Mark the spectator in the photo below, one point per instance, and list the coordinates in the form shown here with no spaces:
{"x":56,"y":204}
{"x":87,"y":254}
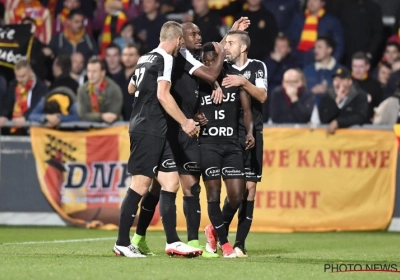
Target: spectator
{"x":58,"y":106}
{"x":132,"y":9}
{"x":360,"y":67}
{"x":283,"y":10}
{"x":78,"y":70}
{"x":363,"y":28}
{"x":280,"y":60}
{"x":74,"y":37}
{"x":392,"y":52}
{"x":114,"y":21}
{"x":315,"y":22}
{"x":130,"y":57}
{"x":388,"y":111}
{"x":262,"y":30}
{"x":126,"y":35}
{"x":21,"y":97}
{"x":62,"y":74}
{"x":292,"y":102}
{"x":56,"y":6}
{"x":175,"y":6}
{"x":113,"y":61}
{"x":319,"y":74}
{"x":344,"y":105}
{"x":41,"y":54}
{"x":33,"y":9}
{"x":383,"y":75}
{"x":392,"y":82}
{"x":61,"y":18}
{"x":207,"y":20}
{"x":149,"y":23}
{"x":99,"y":99}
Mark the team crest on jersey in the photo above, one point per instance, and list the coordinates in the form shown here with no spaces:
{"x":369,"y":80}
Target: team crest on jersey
{"x":247,"y":75}
{"x":259,"y":74}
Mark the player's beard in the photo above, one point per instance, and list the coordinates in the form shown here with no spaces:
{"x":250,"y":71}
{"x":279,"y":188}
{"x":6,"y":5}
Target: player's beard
{"x":232,"y":58}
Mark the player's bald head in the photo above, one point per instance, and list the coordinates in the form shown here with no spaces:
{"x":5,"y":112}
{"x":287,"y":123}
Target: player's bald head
{"x":170,"y":31}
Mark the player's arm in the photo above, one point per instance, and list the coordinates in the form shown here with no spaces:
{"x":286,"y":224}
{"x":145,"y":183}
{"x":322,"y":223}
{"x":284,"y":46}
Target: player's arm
{"x":132,"y":85}
{"x":169,"y":104}
{"x":247,"y":118}
{"x":257,"y":92}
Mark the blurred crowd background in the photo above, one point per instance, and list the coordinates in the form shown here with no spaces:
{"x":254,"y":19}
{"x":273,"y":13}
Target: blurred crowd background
{"x":326,"y":59}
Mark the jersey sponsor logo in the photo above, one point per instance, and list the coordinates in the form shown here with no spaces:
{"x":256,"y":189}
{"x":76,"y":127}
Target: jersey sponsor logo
{"x":212,"y":171}
{"x":231,"y":171}
{"x":191,"y":166}
{"x":247,"y":75}
{"x":249,"y":172}
{"x":168,"y":163}
{"x":155,"y":169}
{"x":218,"y":131}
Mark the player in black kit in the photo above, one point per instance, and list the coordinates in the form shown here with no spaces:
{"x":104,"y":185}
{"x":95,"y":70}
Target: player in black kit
{"x":221,"y":153}
{"x":150,"y":151}
{"x":250,"y":75}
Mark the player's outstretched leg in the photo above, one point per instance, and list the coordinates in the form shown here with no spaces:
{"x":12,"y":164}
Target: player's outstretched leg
{"x":169,"y":182}
{"x":129,"y":207}
{"x":147,"y":209}
{"x":217,"y":230}
{"x":191,"y":208}
{"x":245,"y":220}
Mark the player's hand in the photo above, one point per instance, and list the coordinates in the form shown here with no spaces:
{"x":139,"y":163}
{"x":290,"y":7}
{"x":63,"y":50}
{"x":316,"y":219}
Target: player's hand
{"x":190,"y":127}
{"x":109,"y":117}
{"x":217,"y":95}
{"x":201,"y":119}
{"x":19,"y":122}
{"x":218,"y":48}
{"x":233,"y":81}
{"x":241,"y":24}
{"x":250,"y":142}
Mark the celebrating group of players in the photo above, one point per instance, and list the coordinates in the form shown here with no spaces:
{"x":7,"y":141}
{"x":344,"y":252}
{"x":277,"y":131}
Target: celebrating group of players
{"x":172,"y":98}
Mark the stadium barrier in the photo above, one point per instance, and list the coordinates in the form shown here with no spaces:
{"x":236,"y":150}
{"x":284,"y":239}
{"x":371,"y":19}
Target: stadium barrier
{"x":311,"y":181}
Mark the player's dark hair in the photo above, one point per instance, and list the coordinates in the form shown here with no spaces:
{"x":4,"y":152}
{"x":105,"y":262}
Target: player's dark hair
{"x":328,"y":41}
{"x":244,"y":37}
{"x":74,"y":12}
{"x":208,"y":47}
{"x":361,"y":56}
{"x":95,"y":60}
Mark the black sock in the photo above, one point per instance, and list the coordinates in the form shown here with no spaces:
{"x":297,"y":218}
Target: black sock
{"x":215,"y":215}
{"x":129,"y":209}
{"x":147,"y":209}
{"x":245,"y":223}
{"x":168,"y":215}
{"x":227,"y":214}
{"x":191,"y":208}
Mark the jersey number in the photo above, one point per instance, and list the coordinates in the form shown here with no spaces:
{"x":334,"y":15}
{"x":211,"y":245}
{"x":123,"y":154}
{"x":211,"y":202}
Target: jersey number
{"x":139,"y":73}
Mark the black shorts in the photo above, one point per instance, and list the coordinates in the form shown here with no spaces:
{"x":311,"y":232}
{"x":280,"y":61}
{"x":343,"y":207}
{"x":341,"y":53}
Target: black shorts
{"x":150,"y":154}
{"x":221,"y":159}
{"x":253,"y":158}
{"x":186,"y":152}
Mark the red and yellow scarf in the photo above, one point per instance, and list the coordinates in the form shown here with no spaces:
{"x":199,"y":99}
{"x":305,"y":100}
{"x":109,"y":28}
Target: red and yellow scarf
{"x":309,"y":34}
{"x":95,"y":98}
{"x":21,"y":100}
{"x":72,"y":37}
{"x":52,"y":6}
{"x":107,"y":37}
{"x":363,"y":78}
{"x":64,"y":15}
{"x":125,"y":4}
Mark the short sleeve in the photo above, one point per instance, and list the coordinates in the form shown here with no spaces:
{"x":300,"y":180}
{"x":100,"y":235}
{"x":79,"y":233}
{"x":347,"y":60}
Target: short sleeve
{"x":261,"y":75}
{"x":165,"y":68}
{"x":188,"y":63}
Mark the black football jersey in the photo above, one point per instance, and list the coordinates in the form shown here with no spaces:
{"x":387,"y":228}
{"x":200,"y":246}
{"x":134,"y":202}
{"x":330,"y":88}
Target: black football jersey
{"x":223,"y":119}
{"x":148,"y":116}
{"x":185,"y":86}
{"x":254,"y":71}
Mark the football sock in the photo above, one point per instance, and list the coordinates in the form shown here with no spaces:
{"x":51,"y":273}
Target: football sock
{"x":168,"y":215}
{"x":128,"y":212}
{"x":215,"y":215}
{"x":245,"y":220}
{"x":147,"y":209}
{"x":191,"y":208}
{"x":227,"y":214}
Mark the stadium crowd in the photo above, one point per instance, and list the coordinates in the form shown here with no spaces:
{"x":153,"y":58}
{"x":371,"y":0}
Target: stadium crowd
{"x":328,"y":61}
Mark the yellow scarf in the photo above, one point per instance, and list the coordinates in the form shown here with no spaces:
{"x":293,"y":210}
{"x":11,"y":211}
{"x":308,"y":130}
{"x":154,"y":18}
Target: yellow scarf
{"x":309,"y":34}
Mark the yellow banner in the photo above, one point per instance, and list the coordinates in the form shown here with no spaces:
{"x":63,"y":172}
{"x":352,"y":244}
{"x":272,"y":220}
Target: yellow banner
{"x":311,"y":182}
